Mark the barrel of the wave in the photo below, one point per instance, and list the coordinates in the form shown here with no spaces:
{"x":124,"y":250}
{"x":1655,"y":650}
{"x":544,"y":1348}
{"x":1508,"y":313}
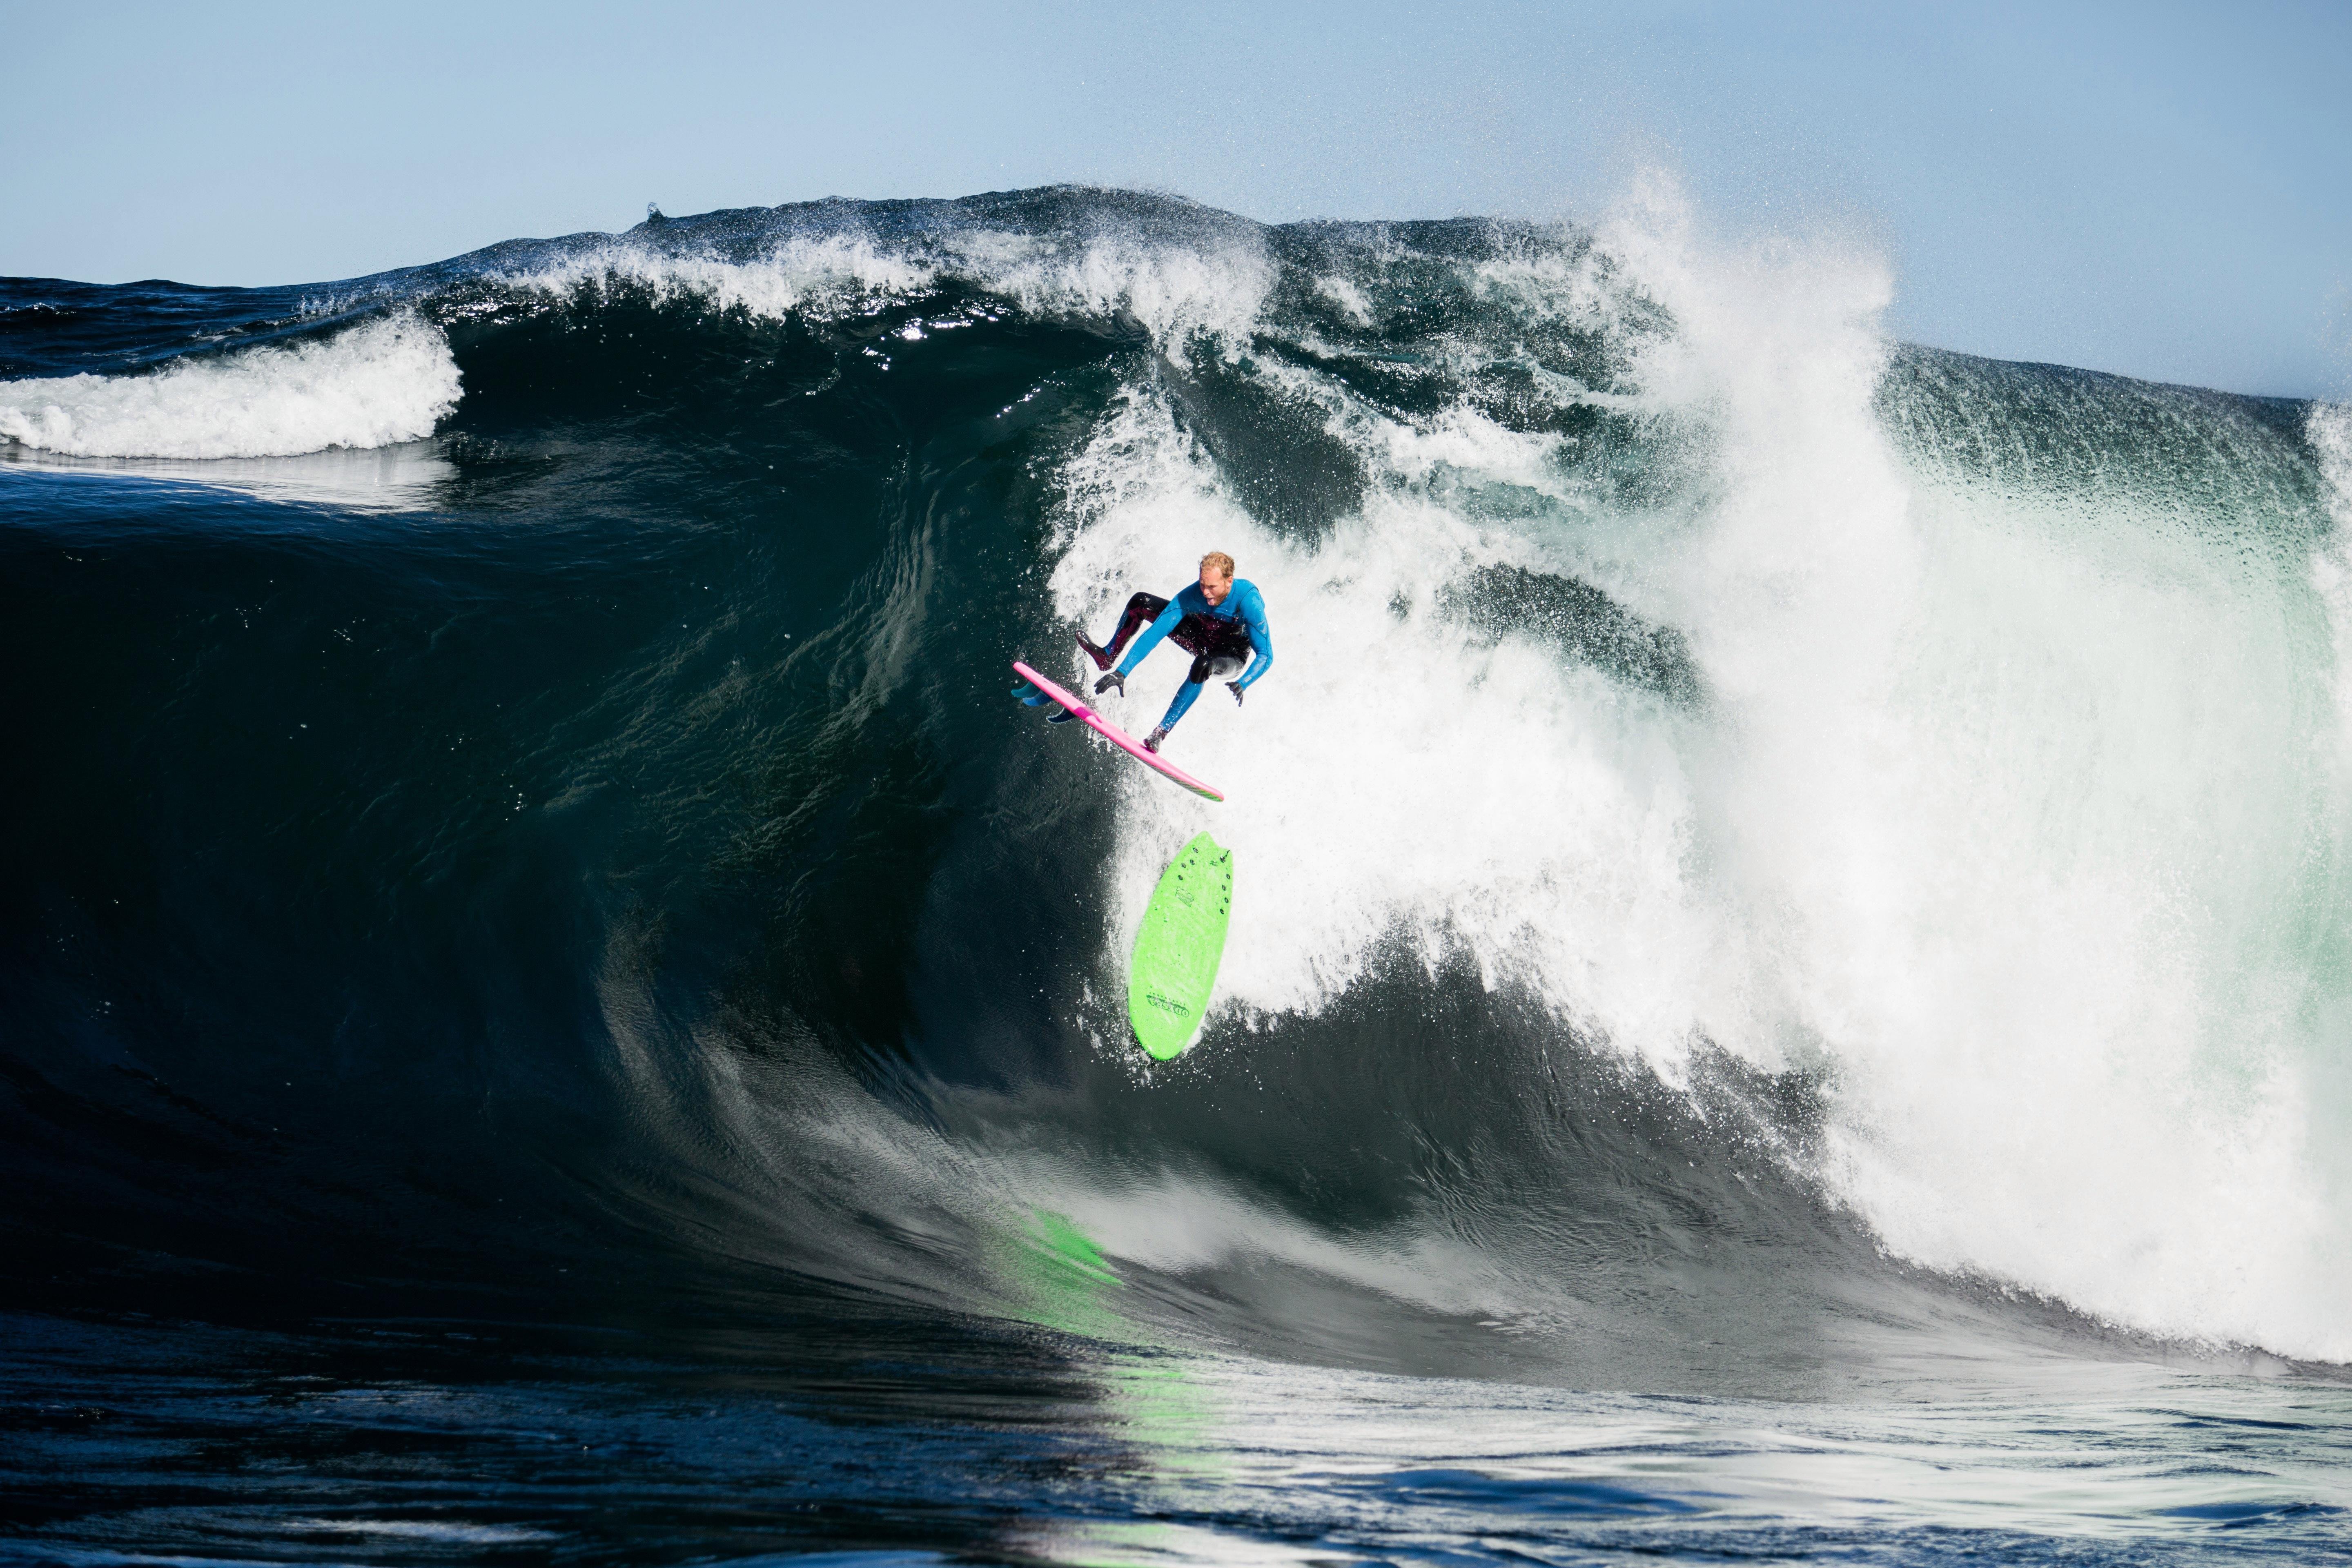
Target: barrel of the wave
{"x":1178,"y":947}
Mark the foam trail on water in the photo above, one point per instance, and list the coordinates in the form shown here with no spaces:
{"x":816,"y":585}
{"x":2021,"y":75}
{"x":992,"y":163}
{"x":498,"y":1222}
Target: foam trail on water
{"x":387,"y":381}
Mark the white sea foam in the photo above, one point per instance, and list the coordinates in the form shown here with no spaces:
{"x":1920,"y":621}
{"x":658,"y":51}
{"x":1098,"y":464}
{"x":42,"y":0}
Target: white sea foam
{"x":2019,"y":829}
{"x":387,"y":381}
{"x":2016,"y":812}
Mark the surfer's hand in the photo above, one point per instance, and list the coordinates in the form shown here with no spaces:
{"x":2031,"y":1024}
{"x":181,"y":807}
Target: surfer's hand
{"x":1108,"y":681}
{"x":1236,"y":688}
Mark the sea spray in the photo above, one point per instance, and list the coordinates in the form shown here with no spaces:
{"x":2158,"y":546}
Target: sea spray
{"x":1996,"y":820}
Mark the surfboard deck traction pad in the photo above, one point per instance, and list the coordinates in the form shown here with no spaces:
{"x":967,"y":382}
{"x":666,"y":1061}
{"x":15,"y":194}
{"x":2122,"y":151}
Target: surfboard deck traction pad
{"x":1173,"y":969}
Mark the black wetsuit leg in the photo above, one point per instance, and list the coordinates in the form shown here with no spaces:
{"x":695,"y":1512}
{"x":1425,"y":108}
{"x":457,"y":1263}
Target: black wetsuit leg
{"x":1141,"y":612}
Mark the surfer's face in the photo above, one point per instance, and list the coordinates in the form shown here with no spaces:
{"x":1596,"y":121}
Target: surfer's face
{"x":1214,"y":588}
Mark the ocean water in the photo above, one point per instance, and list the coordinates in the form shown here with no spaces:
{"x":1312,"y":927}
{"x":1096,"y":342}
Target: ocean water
{"x":1790,"y":975}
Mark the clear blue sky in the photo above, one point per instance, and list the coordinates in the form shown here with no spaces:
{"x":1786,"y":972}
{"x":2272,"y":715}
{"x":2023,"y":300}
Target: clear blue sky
{"x":2156,"y":189}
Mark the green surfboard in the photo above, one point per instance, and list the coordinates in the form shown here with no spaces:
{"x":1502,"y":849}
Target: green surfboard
{"x":1177,"y":950}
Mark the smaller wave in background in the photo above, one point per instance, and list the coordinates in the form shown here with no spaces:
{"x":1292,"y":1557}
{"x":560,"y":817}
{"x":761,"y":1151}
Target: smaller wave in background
{"x":375,"y":384}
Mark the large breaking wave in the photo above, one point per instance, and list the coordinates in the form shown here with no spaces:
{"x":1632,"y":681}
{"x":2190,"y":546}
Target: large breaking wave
{"x":1747,"y":815}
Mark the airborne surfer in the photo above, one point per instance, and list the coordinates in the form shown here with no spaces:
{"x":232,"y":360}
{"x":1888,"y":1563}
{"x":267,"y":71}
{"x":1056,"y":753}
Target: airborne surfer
{"x":1219,"y":620}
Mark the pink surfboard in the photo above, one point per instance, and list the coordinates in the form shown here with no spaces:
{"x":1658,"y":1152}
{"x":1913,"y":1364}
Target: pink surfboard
{"x":1113,"y":733}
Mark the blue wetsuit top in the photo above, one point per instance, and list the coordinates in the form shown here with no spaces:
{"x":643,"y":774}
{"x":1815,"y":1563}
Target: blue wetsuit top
{"x":1244,"y":605}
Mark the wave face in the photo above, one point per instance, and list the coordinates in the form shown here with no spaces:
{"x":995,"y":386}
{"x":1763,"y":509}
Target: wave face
{"x":1763,"y":849}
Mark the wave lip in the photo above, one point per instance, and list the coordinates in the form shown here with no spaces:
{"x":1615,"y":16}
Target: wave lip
{"x":1216,"y":285}
{"x":385,"y":382}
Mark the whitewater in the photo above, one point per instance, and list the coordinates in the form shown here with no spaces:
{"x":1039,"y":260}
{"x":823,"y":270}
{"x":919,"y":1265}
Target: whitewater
{"x":1779,"y":871}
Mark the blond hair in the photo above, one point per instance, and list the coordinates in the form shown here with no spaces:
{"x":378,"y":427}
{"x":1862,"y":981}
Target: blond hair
{"x":1221,"y":560}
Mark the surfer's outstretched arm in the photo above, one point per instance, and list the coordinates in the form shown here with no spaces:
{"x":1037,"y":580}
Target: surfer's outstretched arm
{"x":1253,"y":615}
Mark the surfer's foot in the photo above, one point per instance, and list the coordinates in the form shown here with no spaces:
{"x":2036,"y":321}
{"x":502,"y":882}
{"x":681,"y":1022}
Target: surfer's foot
{"x":1102,"y":659}
{"x":1151,"y":741}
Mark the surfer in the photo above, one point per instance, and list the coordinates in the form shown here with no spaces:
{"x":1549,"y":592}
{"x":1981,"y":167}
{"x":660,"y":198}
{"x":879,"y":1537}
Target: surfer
{"x":1220,"y":621}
